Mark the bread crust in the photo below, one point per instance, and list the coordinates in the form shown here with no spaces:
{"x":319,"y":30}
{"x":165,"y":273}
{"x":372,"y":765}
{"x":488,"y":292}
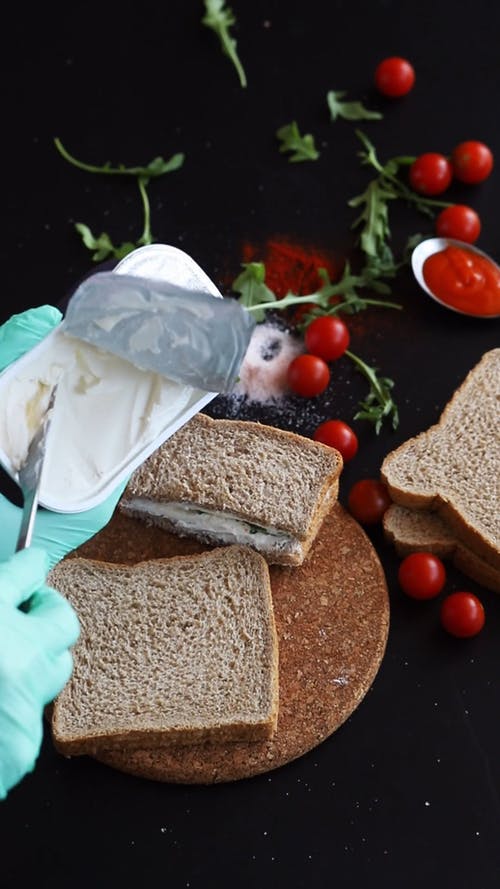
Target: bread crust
{"x":332,"y":616}
{"x":421,"y":531}
{"x":277,"y":556}
{"x":460,"y":450}
{"x":258,"y":727}
{"x":263,"y":475}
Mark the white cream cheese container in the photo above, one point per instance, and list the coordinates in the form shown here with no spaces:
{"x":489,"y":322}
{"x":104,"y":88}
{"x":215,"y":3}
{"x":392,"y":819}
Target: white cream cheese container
{"x":109,"y":415}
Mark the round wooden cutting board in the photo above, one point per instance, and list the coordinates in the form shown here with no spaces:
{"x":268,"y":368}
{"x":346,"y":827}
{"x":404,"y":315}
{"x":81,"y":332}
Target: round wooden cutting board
{"x":332,"y":617}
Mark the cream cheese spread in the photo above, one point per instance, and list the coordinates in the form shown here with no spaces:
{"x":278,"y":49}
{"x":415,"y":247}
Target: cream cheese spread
{"x":189,"y":518}
{"x":107,"y":411}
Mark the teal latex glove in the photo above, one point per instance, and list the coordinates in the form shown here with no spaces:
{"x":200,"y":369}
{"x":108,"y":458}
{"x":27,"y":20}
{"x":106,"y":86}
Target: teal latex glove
{"x":35,"y":661}
{"x":57,"y":533}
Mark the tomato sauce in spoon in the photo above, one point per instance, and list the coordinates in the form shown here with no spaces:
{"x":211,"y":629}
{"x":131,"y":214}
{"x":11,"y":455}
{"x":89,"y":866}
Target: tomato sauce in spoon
{"x":464,"y":280}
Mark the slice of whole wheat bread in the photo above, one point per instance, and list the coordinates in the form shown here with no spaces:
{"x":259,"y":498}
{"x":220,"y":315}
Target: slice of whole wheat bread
{"x":171,"y":651}
{"x":412,"y":530}
{"x":453,"y":467}
{"x":266,"y":476}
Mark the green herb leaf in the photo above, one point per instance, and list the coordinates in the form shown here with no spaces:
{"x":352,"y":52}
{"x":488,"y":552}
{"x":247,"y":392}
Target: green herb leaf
{"x":157,"y":167}
{"x":256,"y":529}
{"x":349,"y":110}
{"x":254,"y":292}
{"x":259,"y":299}
{"x":301,"y":147}
{"x":102,"y":245}
{"x":373,"y":219}
{"x":379,"y":404}
{"x":220,"y":19}
{"x":374,"y":222}
{"x":346,"y":289}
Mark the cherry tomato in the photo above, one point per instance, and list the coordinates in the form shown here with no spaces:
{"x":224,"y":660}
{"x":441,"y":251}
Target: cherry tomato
{"x":422,"y":575}
{"x":368,"y":500}
{"x":308,"y":375}
{"x":431,"y":173}
{"x":394,"y":77}
{"x":339,"y":435}
{"x":472,"y":162}
{"x":327,"y":337}
{"x":462,"y":615}
{"x":460,"y":222}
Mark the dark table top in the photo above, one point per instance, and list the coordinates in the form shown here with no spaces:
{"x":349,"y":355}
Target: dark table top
{"x":405,"y":793}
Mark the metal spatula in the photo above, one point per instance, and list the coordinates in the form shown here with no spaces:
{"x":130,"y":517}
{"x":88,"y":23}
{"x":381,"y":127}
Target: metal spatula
{"x":30,"y":474}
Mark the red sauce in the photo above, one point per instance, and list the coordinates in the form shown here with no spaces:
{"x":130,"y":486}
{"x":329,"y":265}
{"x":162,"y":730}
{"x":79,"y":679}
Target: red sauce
{"x":464,"y":280}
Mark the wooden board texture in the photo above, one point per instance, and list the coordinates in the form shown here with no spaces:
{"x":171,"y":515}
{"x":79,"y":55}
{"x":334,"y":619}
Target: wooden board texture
{"x":332,"y":617}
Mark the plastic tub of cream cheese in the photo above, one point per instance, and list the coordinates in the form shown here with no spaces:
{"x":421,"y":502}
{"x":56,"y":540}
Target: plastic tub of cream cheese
{"x":109,"y":416}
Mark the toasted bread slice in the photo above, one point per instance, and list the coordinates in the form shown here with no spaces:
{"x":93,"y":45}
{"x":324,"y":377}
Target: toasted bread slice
{"x":453,"y":467}
{"x":172,"y":651}
{"x":234,"y":481}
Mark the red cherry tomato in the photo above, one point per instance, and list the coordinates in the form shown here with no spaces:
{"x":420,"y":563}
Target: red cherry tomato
{"x":327,"y":337}
{"x":394,"y":77}
{"x":422,"y":575}
{"x":472,"y":162}
{"x":462,"y":615}
{"x":431,"y":173}
{"x":339,"y":435}
{"x":460,"y":222}
{"x":368,"y":500}
{"x":308,"y":375}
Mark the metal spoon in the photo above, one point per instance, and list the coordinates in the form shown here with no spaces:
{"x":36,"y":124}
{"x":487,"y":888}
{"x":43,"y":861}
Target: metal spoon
{"x":434,"y":245}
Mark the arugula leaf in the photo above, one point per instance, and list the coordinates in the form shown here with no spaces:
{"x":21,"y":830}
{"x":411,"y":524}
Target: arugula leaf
{"x":302,"y":147}
{"x":349,"y":110}
{"x":346,"y":288}
{"x":373,"y":219}
{"x":379,"y":404}
{"x":220,"y":19}
{"x":250,"y":284}
{"x":102,"y":245}
{"x":157,"y":167}
{"x":259,"y":299}
{"x":411,"y":243}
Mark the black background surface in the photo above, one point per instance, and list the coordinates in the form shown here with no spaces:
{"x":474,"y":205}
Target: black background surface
{"x":405,"y":793}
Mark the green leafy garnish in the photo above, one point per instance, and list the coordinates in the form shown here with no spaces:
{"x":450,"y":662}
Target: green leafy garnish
{"x":349,"y":110}
{"x":379,"y":404}
{"x":302,"y":148}
{"x":373,"y":220}
{"x":252,"y":289}
{"x":220,"y":19}
{"x":256,"y":529}
{"x":102,"y":245}
{"x":157,"y":167}
{"x":259,"y":299}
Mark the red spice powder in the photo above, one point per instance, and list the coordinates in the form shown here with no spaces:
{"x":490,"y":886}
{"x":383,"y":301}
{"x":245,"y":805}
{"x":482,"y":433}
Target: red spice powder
{"x":290,"y":266}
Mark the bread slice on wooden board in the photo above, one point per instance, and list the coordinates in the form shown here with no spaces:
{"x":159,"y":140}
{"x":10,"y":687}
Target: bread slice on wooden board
{"x":234,"y":481}
{"x":453,"y":467}
{"x":332,"y":617}
{"x":412,"y":530}
{"x":172,"y":651}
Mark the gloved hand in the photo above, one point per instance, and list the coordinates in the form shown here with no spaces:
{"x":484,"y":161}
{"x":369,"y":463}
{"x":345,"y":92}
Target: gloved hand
{"x":58,"y":533}
{"x":35,"y":661}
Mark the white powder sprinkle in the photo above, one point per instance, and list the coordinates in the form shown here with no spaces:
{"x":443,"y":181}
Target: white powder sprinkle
{"x":262,"y":374}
